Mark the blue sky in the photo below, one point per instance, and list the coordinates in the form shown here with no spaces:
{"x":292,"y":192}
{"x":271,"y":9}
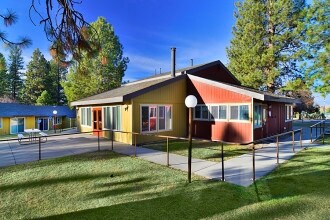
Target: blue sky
{"x":199,"y":29}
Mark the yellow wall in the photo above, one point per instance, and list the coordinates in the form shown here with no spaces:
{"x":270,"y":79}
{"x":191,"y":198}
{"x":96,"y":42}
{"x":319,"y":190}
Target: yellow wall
{"x":5,"y":129}
{"x":173,"y":94}
{"x":29,"y":122}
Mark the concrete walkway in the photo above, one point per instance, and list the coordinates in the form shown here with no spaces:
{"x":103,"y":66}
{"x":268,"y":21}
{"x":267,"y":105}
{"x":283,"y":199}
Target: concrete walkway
{"x":238,"y":170}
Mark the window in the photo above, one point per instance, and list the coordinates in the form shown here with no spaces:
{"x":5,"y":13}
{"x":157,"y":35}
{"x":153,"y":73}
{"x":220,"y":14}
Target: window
{"x":288,"y":112}
{"x":257,"y":116}
{"x":218,"y":112}
{"x":112,"y":117}
{"x":214,"y":112}
{"x":239,"y":112}
{"x":156,"y":118}
{"x":234,"y":112}
{"x":222,"y":112}
{"x":86,"y":116}
{"x":201,"y":112}
{"x":58,"y":120}
{"x":243,"y":112}
{"x":0,"y":122}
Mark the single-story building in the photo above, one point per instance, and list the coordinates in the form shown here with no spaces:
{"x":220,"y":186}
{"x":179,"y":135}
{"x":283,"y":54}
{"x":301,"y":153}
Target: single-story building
{"x":155,"y":105}
{"x":15,"y":118}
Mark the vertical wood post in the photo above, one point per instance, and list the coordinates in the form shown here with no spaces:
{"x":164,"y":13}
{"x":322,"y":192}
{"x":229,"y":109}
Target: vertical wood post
{"x":98,"y":140}
{"x":323,"y":133}
{"x":301,"y":133}
{"x":39,"y":148}
{"x":168,"y":152}
{"x":112,"y":139}
{"x":293,"y":141}
{"x":253,"y":163}
{"x":135,"y":145}
{"x":277,"y":151}
{"x":222,"y":164}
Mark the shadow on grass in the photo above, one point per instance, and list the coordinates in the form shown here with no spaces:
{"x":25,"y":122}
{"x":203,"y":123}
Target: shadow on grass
{"x":51,"y":181}
{"x":183,"y":204}
{"x":88,"y":156}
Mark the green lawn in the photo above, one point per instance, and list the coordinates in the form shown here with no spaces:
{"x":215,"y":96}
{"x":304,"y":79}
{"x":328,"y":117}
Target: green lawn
{"x":202,"y":149}
{"x":106,"y":185}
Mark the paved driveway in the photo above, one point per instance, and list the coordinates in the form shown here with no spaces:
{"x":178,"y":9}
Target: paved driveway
{"x":11,"y":152}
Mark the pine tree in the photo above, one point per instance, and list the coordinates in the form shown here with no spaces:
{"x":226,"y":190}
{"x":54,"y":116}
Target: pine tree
{"x":15,"y":72}
{"x":267,"y":47}
{"x":36,"y":74}
{"x":318,"y":39}
{"x":3,"y":76}
{"x":100,"y":73}
{"x":58,"y":71}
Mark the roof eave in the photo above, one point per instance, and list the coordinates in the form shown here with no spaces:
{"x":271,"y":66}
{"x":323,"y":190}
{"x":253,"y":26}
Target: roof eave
{"x":281,"y":99}
{"x":98,"y":101}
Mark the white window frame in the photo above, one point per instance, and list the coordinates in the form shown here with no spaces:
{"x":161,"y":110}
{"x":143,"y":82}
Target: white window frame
{"x":119,"y":116}
{"x":239,"y":110}
{"x":288,"y":109}
{"x":82,"y":121}
{"x":218,"y":106}
{"x":228,"y":112}
{"x":156,"y":117}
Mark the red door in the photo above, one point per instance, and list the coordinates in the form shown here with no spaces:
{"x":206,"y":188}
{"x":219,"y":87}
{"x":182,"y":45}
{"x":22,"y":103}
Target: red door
{"x":97,"y":121}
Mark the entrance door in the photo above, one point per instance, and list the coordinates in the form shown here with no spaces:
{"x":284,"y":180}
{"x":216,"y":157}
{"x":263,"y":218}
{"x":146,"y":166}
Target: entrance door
{"x":97,"y":121}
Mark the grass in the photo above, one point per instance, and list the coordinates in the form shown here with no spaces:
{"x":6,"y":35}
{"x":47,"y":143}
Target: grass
{"x":106,"y":185}
{"x":202,"y":149}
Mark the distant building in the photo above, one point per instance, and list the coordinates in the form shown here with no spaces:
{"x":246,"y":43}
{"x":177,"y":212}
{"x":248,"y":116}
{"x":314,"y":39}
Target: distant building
{"x":15,"y":118}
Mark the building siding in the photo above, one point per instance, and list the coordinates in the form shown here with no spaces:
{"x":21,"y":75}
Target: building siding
{"x":230,"y":131}
{"x":173,"y":94}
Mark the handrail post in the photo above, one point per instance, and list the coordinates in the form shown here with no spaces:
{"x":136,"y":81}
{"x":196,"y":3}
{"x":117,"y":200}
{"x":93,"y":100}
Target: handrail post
{"x":323,"y":132}
{"x":98,"y":140}
{"x":168,"y":152}
{"x":112,"y":134}
{"x":39,"y":148}
{"x":253,"y":163}
{"x":301,"y":131}
{"x":293,"y":141}
{"x":277,"y":150}
{"x":135,"y":145}
{"x":222,"y":164}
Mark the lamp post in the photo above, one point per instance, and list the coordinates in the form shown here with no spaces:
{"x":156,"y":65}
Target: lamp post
{"x":54,"y":113}
{"x":191,"y":103}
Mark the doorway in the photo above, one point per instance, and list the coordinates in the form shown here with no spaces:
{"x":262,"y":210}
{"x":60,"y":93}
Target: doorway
{"x":43,"y":124}
{"x":97,"y":121}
